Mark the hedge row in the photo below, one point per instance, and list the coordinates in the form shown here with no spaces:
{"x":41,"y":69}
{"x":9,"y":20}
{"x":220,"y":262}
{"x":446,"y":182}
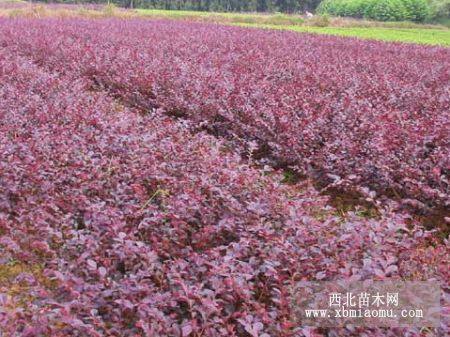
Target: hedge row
{"x":341,"y":110}
{"x":303,"y":115}
{"x":381,"y":10}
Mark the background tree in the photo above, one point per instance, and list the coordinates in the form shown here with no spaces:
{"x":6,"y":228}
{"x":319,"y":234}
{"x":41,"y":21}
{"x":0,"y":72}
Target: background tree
{"x":286,"y":6}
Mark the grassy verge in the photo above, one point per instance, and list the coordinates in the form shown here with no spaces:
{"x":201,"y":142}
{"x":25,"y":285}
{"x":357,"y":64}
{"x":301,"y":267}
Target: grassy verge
{"x":385,"y":31}
{"x":279,"y":19}
{"x":249,"y":18}
{"x":410,"y":35}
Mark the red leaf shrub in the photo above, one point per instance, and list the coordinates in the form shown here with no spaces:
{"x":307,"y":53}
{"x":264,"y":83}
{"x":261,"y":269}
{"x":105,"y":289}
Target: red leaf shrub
{"x":373,"y":114}
{"x":118,"y":223}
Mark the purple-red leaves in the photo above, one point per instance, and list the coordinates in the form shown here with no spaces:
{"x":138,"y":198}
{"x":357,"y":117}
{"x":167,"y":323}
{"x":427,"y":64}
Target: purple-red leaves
{"x":117,"y":219}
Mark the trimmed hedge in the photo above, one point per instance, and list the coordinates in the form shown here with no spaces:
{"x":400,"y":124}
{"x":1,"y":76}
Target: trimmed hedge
{"x":381,"y":10}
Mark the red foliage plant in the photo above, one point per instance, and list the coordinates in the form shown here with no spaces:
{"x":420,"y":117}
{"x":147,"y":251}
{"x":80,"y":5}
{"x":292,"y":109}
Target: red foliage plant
{"x":365,"y":114}
{"x":122,"y":221}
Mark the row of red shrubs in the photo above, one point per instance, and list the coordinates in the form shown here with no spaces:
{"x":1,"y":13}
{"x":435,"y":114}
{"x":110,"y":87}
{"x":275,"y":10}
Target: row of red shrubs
{"x":357,"y":113}
{"x":128,"y":224}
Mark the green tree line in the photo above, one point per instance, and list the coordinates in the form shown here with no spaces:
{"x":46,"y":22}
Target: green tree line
{"x":285,"y":6}
{"x":387,"y":10}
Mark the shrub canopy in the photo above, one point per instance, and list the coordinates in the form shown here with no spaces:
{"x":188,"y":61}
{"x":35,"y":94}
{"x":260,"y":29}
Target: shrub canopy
{"x":381,"y":10}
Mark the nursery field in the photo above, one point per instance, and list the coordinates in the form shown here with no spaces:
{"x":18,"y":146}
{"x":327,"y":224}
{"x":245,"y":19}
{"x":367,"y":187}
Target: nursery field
{"x":168,"y":178}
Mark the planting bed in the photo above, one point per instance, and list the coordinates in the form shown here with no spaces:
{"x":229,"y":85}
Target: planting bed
{"x":367,"y":114}
{"x":139,"y":186}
